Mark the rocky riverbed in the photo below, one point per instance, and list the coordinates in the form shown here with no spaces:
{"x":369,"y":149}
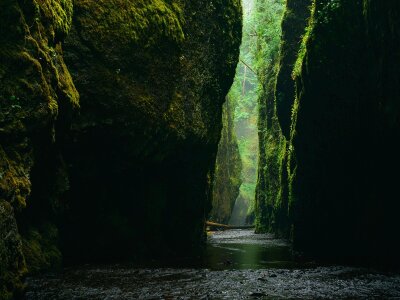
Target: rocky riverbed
{"x":237,"y":265}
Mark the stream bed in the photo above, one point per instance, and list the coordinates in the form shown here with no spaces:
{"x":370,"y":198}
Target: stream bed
{"x":238,"y":264}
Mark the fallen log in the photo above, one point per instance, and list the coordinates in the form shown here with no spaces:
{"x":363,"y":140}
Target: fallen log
{"x":226,"y":227}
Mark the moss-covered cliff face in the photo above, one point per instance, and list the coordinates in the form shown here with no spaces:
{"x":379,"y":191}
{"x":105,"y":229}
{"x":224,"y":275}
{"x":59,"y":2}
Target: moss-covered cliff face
{"x":228,"y":169}
{"x":276,"y":103}
{"x":136,"y":163}
{"x":345,"y":130}
{"x":271,"y":192}
{"x":37,"y":97}
{"x":339,"y":165}
{"x":152,"y":76}
{"x":293,"y":26}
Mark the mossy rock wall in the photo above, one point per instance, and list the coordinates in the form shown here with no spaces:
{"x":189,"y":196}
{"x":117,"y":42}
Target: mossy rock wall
{"x":346,"y":125}
{"x":273,"y":213}
{"x":152,"y":78}
{"x":295,"y":19}
{"x":329,"y":182}
{"x":135,"y":164}
{"x":271,"y":203}
{"x":228,"y":169}
{"x":37,"y":97}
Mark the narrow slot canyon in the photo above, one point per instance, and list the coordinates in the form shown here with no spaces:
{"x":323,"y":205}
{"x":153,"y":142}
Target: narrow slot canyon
{"x":175,"y":149}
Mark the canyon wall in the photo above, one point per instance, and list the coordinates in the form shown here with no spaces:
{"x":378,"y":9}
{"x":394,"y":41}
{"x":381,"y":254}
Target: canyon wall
{"x":339,"y":167}
{"x":152,"y":78}
{"x":37,"y":99}
{"x":345,"y":129}
{"x":271,"y":192}
{"x":228,"y":169}
{"x":110,"y":153}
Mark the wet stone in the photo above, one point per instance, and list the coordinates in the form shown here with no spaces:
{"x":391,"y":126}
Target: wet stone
{"x":245,"y":279}
{"x":257,"y":294}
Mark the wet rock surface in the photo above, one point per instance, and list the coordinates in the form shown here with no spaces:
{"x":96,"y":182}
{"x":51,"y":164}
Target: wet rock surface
{"x":151,"y":96}
{"x":216,"y":280}
{"x":116,"y":282}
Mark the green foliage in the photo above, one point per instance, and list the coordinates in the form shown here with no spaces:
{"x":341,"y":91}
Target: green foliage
{"x":268,"y":30}
{"x":259,"y":53}
{"x":40,"y":248}
{"x":270,"y":190}
{"x":228,"y":167}
{"x":244,"y":93}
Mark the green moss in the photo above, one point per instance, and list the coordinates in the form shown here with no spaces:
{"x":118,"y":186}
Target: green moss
{"x":294,"y":21}
{"x":142,"y":22}
{"x":272,"y":143}
{"x":14,"y":182}
{"x":152,"y":76}
{"x":40,"y":248}
{"x":12,"y":263}
{"x":37,"y":96}
{"x":228,"y":167}
{"x":303,"y":46}
{"x":271,"y":209}
{"x":58,"y":13}
{"x":278,"y":110}
{"x":341,"y":136}
{"x":38,"y":53}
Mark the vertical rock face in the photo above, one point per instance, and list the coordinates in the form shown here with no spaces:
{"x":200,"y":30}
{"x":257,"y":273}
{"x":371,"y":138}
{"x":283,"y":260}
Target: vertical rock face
{"x":294,"y":22}
{"x":136,"y":163}
{"x":342,"y":153}
{"x":152,"y":76}
{"x":271,"y":192}
{"x":36,"y":97}
{"x":228,"y":167}
{"x":276,"y":103}
{"x":345,"y":128}
{"x":12,"y":265}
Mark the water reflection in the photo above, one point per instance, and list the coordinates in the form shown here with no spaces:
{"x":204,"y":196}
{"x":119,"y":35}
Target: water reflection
{"x":237,"y":265}
{"x":242,"y":249}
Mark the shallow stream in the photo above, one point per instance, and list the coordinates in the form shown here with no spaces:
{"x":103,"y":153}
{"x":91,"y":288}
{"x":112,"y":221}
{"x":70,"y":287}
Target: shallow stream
{"x":237,"y":265}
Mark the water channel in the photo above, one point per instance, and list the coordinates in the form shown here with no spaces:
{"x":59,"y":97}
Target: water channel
{"x":237,"y":264}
